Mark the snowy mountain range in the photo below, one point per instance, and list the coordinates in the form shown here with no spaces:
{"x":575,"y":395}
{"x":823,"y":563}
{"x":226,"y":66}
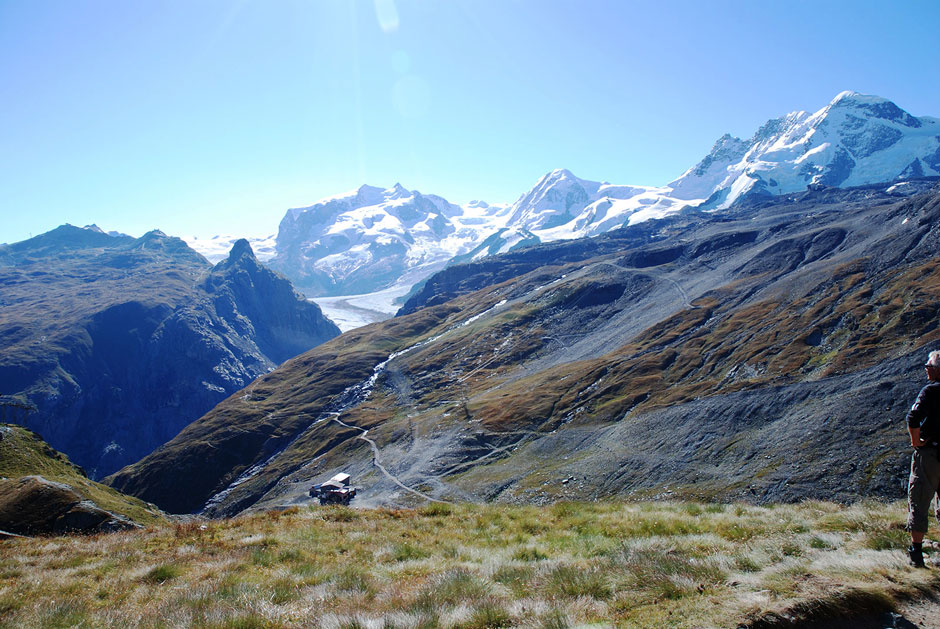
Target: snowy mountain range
{"x":372,"y":238}
{"x":217,"y":248}
{"x":854,"y":140}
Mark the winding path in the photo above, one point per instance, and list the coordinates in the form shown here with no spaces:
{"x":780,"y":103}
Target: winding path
{"x":376,"y":463}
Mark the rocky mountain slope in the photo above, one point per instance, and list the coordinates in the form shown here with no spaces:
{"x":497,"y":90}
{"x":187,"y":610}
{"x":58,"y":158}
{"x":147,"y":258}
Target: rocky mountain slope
{"x":41,"y":491}
{"x":120,"y":342}
{"x":764,"y":353}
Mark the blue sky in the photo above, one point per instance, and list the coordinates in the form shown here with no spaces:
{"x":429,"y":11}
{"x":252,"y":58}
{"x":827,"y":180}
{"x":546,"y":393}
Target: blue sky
{"x":216,"y":116}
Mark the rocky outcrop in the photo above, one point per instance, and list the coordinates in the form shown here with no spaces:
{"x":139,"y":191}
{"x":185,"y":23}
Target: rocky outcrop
{"x":32,"y":505}
{"x":119,"y":343}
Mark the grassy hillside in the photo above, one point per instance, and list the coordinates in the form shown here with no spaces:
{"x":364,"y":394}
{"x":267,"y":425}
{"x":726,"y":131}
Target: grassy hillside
{"x":630,"y":564}
{"x":23,"y":453}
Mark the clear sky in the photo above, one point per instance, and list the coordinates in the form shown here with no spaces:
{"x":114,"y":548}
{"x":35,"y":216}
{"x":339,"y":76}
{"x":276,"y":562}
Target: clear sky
{"x":203,"y":117}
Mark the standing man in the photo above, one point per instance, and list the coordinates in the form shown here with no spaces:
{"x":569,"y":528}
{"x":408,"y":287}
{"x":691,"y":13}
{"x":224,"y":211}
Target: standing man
{"x":923,"y":422}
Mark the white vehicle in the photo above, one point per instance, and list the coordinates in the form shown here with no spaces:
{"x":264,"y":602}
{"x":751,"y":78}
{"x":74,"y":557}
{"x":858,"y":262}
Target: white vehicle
{"x":334,"y":491}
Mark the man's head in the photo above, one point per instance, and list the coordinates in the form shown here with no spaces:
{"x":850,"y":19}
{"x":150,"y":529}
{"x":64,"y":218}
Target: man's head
{"x":933,"y":365}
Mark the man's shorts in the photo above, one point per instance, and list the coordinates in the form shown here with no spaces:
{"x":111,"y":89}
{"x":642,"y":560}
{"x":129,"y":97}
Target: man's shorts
{"x":923,"y":484}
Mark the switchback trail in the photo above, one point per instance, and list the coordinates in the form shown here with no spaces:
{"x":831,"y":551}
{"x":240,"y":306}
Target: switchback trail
{"x":348,"y":398}
{"x":376,"y":463}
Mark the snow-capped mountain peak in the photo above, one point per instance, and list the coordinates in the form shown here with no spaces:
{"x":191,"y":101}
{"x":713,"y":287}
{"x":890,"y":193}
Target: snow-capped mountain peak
{"x":871,"y":106}
{"x":555,"y":200}
{"x":854,"y":140}
{"x":397,"y":191}
{"x":374,"y":237}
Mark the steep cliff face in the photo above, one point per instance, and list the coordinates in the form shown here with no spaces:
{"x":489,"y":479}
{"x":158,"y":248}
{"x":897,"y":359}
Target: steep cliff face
{"x":120,"y":343}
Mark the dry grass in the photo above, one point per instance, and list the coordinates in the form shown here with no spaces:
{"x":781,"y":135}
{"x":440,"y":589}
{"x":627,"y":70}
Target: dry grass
{"x":640,"y":564}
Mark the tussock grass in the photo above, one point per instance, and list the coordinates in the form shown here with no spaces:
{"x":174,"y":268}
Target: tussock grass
{"x":472,"y":566}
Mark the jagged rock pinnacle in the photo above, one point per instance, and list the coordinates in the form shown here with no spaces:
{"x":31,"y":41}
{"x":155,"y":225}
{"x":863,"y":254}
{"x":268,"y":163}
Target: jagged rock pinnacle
{"x":240,"y":249}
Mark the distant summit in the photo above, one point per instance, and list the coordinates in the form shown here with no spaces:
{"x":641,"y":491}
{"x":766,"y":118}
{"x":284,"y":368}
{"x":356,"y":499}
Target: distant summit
{"x":372,"y":238}
{"x":551,"y":202}
{"x":241,"y":249}
{"x":93,"y":227}
{"x":855,"y":140}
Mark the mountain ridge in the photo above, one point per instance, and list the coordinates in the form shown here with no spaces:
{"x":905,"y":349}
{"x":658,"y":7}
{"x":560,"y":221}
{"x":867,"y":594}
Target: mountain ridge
{"x":42,"y":492}
{"x":120,"y":342}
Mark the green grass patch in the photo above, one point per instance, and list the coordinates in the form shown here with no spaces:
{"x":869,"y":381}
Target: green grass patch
{"x":529,"y":554}
{"x":887,"y":539}
{"x":64,"y":615}
{"x":162,"y":574}
{"x":24,"y":453}
{"x":436,"y":509}
{"x":517,"y":578}
{"x":451,"y":588}
{"x":818,"y":543}
{"x":575,"y":581}
{"x":284,"y":591}
{"x":488,"y":615}
{"x":408,"y":552}
{"x":355,"y":579}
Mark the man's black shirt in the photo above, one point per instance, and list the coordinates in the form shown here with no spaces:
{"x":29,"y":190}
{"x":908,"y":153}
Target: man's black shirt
{"x":925,"y":414}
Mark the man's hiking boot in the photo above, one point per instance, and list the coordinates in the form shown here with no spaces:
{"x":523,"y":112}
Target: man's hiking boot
{"x":917,"y":556}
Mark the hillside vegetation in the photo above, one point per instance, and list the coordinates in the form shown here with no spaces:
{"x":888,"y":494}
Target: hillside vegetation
{"x":23,"y":453}
{"x":679,"y":564}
